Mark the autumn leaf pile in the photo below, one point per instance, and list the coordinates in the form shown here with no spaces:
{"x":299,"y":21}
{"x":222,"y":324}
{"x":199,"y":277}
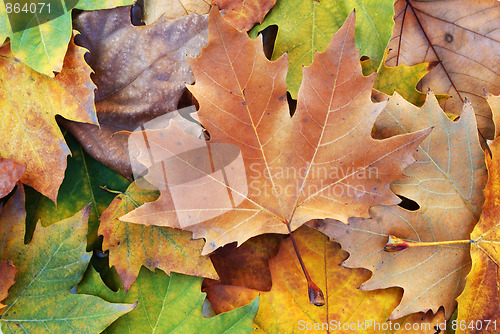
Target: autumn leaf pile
{"x":356,"y":139}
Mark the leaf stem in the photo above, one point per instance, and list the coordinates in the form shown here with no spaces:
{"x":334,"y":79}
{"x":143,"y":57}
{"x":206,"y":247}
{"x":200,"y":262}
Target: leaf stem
{"x":315,"y":294}
{"x":105,"y":188}
{"x":396,"y":244}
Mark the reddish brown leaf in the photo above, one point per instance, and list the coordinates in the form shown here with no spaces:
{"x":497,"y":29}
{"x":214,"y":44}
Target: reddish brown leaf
{"x":10,"y":173}
{"x":247,"y":265}
{"x":243,"y":14}
{"x":494,"y":102}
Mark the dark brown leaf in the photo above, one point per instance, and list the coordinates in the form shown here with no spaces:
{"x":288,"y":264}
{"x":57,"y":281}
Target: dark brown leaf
{"x":140,"y":73}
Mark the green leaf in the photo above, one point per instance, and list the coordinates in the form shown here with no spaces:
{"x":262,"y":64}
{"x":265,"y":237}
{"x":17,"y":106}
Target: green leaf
{"x":306,"y":26}
{"x":102,"y":4}
{"x":47,"y":268}
{"x":82,"y":185}
{"x":43,"y":46}
{"x":173,"y":304}
{"x":4,"y":24}
{"x":403,"y":79}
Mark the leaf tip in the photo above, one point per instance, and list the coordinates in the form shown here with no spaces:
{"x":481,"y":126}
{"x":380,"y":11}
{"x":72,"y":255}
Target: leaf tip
{"x":86,"y":211}
{"x":432,"y":65}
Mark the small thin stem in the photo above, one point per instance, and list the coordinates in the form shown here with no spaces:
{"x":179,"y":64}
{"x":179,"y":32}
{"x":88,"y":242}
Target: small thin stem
{"x":316,"y":296}
{"x":395,"y":244}
{"x":105,"y":188}
{"x":439,"y":243}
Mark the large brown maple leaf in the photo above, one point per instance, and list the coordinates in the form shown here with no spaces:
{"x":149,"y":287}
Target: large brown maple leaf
{"x":321,"y":162}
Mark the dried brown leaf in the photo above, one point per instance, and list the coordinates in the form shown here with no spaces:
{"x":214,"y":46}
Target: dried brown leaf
{"x":247,"y":265}
{"x":446,"y":181}
{"x":244,"y":14}
{"x":172,"y":9}
{"x":140,"y":73}
{"x":478,"y":305}
{"x":464,"y":37}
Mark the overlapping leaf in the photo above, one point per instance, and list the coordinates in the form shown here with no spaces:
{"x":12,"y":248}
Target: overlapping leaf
{"x":10,"y":173}
{"x":494,"y":102}
{"x":140,"y":73}
{"x":478,"y":304}
{"x":168,"y":305}
{"x":82,"y":184}
{"x":43,"y":46}
{"x":47,"y":268}
{"x":322,"y":162}
{"x":244,"y":14}
{"x":446,"y":181}
{"x":172,"y":9}
{"x":29,"y":102}
{"x":246,"y":265}
{"x":4,"y":25}
{"x":466,"y":43}
{"x":131,"y":245}
{"x":286,"y":308}
{"x":403,"y":79}
{"x":7,"y":274}
{"x":305,"y":27}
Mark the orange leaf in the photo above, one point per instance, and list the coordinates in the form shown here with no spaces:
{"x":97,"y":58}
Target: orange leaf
{"x":29,"y":102}
{"x":322,"y":162}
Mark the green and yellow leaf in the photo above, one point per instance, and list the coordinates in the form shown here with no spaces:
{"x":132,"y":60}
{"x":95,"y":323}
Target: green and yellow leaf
{"x":306,"y":26}
{"x":47,"y":269}
{"x":168,"y":304}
